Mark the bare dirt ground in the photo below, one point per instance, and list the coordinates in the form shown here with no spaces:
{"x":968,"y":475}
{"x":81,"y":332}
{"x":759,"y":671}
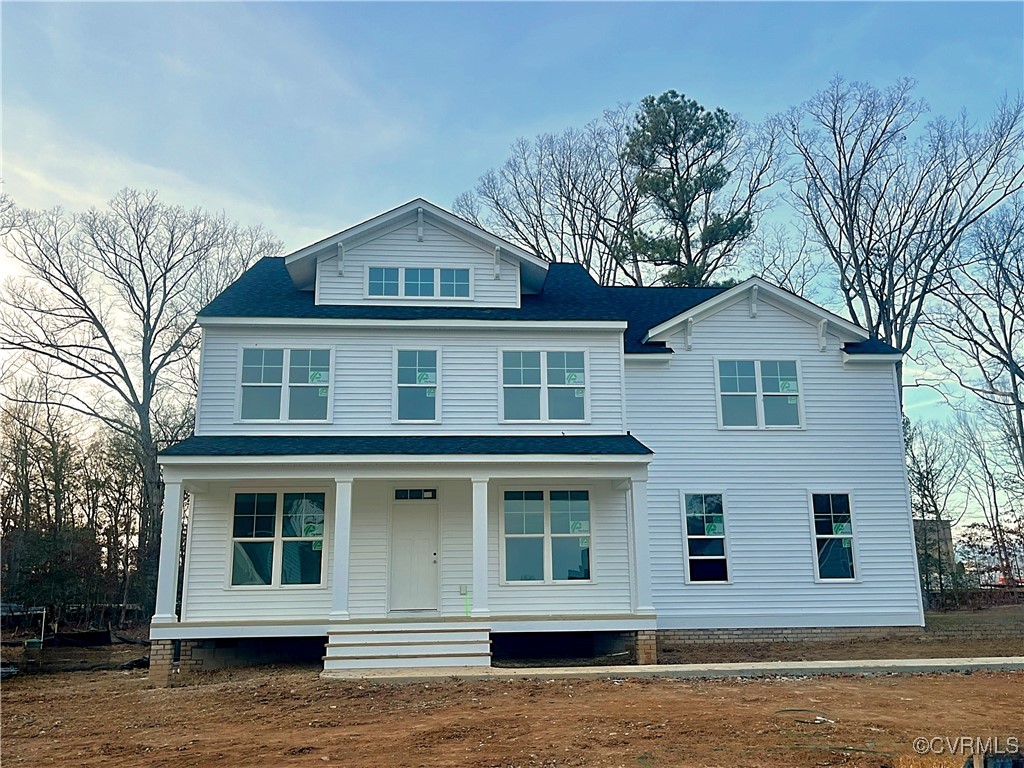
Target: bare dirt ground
{"x":289,"y":717}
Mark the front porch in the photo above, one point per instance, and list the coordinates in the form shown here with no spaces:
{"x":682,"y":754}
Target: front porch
{"x":403,"y":561}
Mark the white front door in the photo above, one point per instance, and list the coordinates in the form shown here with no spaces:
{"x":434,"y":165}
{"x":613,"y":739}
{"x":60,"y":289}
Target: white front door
{"x":414,"y":557}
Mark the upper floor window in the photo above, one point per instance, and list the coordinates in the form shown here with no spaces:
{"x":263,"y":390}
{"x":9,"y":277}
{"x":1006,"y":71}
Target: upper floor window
{"x":416,"y":381}
{"x":418,"y":282}
{"x":285,"y":384}
{"x":833,"y":535}
{"x":277,"y":538}
{"x":544,"y":386}
{"x":759,"y":393}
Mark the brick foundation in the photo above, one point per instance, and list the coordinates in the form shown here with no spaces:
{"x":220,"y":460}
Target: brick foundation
{"x":668,"y":638}
{"x":161,"y":662}
{"x":647,"y":646}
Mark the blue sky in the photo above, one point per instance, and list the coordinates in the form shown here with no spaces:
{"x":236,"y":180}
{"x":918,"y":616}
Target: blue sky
{"x":311,"y":117}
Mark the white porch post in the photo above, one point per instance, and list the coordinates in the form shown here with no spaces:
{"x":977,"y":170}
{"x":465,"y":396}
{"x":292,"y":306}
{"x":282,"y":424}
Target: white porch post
{"x":170,"y":546}
{"x":641,"y":547}
{"x":342,"y":536}
{"x":480,"y":606}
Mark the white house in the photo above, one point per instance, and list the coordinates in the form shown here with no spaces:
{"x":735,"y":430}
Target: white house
{"x":413,"y":436}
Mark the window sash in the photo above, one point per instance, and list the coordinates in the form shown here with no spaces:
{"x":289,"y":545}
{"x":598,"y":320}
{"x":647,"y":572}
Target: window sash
{"x":549,"y":395}
{"x":696,"y":508}
{"x":279,"y":542}
{"x":772,"y":387}
{"x":835,"y":512}
{"x":454,"y":283}
{"x":383,"y":281}
{"x":309,"y":360}
{"x":422,"y":366}
{"x":546,"y":536}
{"x":419,"y":282}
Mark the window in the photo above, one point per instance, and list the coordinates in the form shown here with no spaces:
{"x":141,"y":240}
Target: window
{"x":705,"y":537}
{"x":759,"y":393}
{"x":417,"y":385}
{"x":547,"y":535}
{"x":554,"y":391}
{"x":419,"y":282}
{"x":415,"y":494}
{"x":455,"y":283}
{"x":833,"y":535}
{"x":305,"y":374}
{"x":383,"y":281}
{"x":277,"y":539}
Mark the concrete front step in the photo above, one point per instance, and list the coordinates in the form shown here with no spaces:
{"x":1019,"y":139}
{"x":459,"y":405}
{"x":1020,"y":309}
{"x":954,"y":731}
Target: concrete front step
{"x":423,"y":644}
{"x":412,"y":648}
{"x":411,"y":636}
{"x":350,"y":667}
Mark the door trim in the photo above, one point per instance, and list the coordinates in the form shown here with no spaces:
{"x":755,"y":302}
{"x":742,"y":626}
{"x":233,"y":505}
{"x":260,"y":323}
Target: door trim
{"x":410,"y":504}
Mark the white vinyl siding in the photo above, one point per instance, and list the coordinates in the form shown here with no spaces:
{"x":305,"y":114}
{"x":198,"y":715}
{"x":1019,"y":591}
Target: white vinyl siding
{"x":363,"y":380}
{"x":851,"y":441}
{"x":439,"y":251}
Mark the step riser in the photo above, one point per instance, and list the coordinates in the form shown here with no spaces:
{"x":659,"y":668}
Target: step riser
{"x":340,"y":638}
{"x":333,"y":665}
{"x":352,"y":652}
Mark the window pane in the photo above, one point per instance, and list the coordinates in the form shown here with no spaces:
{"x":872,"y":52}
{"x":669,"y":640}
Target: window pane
{"x":261,"y":402}
{"x":522,"y":403}
{"x":417,"y":367}
{"x":779,"y":376}
{"x":383,"y":281}
{"x":307,"y":403}
{"x":419,"y":282}
{"x":840,"y":505}
{"x":524,"y":559}
{"x":251,"y":562}
{"x":301,"y":562}
{"x":309,"y":366}
{"x":417,"y":403}
{"x":565,"y":368}
{"x":739,"y":410}
{"x":706,"y":547}
{"x":570,"y":515}
{"x":781,"y":411}
{"x":736,"y":376}
{"x":521,"y":368}
{"x":455,"y":282}
{"x":303,"y":515}
{"x":709,"y":570}
{"x":567,"y":403}
{"x":570,"y":558}
{"x":262,"y":366}
{"x":835,"y":558}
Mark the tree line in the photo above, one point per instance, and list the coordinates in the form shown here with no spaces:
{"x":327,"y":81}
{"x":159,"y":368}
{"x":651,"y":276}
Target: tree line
{"x":915,"y":222}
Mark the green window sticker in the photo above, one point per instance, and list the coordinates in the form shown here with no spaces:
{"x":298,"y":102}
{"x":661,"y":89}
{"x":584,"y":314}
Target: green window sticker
{"x":580,"y":392}
{"x":847,"y":543}
{"x":431,"y":392}
{"x":711,"y":529}
{"x":317,"y":546}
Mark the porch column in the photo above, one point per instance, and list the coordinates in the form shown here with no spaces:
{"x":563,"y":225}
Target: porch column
{"x":170,"y":549}
{"x":342,"y":548}
{"x":641,"y":547}
{"x":480,"y":607}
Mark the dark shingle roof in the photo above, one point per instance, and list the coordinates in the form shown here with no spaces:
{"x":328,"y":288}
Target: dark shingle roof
{"x":519,"y":445}
{"x":569,"y":293}
{"x":869,"y":347}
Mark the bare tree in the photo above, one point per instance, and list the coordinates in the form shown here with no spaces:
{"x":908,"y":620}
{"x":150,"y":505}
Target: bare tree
{"x":976,"y":326}
{"x":569,"y":197}
{"x":789,"y":261}
{"x":889,"y":209}
{"x":707,"y":174}
{"x":108,"y":304}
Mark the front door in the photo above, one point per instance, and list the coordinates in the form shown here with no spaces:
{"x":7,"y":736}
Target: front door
{"x":414,"y":557}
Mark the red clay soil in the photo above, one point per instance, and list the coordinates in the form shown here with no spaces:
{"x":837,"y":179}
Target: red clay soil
{"x":289,"y":717}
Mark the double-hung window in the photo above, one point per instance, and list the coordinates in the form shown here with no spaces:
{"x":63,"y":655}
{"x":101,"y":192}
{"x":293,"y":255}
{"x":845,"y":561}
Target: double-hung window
{"x":759,"y":394}
{"x":285,"y":384}
{"x":705,"y":537}
{"x":418,"y":282}
{"x":416,"y":383}
{"x":833,"y":536}
{"x":546,"y":535}
{"x":544,"y":386}
{"x":277,"y":539}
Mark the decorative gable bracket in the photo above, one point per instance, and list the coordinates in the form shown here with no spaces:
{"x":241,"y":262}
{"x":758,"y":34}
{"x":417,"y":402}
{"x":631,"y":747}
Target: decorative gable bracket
{"x":341,"y":258}
{"x":497,"y":262}
{"x":419,"y":224}
{"x":822,"y":334}
{"x":688,"y":333}
{"x":753,"y":301}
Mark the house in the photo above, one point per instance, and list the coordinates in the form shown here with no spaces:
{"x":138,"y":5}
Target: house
{"x":413,"y":438}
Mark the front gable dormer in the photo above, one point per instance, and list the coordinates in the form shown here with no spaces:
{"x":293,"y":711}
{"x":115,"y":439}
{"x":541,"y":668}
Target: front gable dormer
{"x":416,"y":255}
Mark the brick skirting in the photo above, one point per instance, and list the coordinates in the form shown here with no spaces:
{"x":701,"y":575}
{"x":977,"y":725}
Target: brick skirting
{"x":675,"y":637}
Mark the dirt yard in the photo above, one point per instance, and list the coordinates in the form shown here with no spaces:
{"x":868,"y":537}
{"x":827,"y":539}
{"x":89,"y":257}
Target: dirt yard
{"x":289,"y":717}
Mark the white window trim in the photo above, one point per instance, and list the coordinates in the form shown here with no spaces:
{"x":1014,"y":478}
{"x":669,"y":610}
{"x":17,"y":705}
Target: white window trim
{"x":436,"y":298}
{"x":543,"y":385}
{"x":502,"y":581}
{"x":285,"y":373}
{"x":855,"y":543}
{"x":395,"y":385}
{"x":759,"y":394}
{"x":278,"y":540}
{"x":683,"y":493}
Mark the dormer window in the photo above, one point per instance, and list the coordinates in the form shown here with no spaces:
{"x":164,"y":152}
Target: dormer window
{"x":419,"y":282}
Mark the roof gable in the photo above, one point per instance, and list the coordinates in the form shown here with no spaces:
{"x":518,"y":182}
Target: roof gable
{"x":301,"y":264}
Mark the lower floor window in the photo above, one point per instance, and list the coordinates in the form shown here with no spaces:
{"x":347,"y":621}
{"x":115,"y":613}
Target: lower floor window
{"x":833,"y":535}
{"x":547,"y":535}
{"x":705,"y":537}
{"x":277,"y":538}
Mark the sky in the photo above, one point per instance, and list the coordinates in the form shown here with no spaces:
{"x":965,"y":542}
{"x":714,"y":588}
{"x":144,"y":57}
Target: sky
{"x":310,"y":117}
